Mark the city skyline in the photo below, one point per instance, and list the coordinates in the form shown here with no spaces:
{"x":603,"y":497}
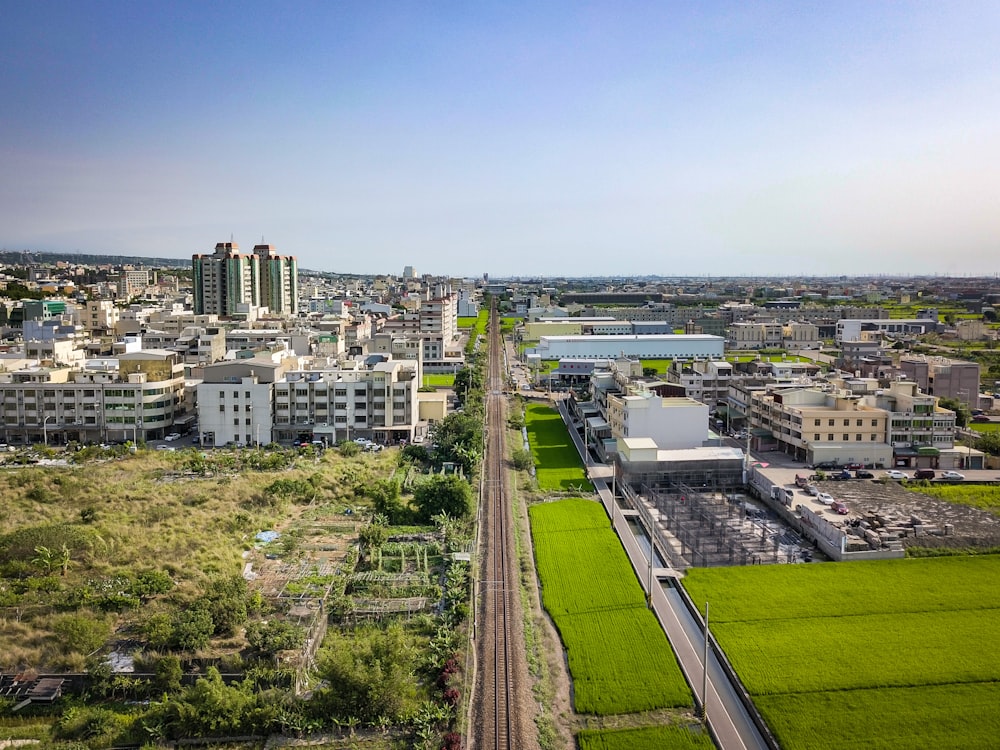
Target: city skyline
{"x":607,"y":139}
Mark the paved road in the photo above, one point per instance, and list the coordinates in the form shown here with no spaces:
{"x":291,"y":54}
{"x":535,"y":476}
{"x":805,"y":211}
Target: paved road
{"x":729,"y":721}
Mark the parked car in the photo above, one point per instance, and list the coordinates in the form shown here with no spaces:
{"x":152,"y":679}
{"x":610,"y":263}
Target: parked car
{"x":164,"y":448}
{"x":825,"y":466}
{"x":924,"y":474}
{"x":980,"y":418}
{"x":862,"y":474}
{"x":172,"y":436}
{"x":954,"y":475}
{"x":840,"y":476}
{"x":825,"y":498}
{"x":895,"y":474}
{"x":811,"y":489}
{"x":839,"y":507}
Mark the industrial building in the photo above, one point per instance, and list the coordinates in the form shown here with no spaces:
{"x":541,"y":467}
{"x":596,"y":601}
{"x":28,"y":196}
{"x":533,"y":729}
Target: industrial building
{"x":671,"y":346}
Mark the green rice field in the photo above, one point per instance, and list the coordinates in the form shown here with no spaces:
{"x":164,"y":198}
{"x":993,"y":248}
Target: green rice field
{"x":985,"y":426}
{"x":879,"y":654}
{"x":618,"y":655}
{"x":558,"y":466}
{"x":670,"y":737}
{"x":466,"y":322}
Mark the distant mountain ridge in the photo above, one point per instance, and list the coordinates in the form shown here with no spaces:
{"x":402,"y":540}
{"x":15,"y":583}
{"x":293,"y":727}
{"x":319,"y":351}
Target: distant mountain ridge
{"x":21,"y":257}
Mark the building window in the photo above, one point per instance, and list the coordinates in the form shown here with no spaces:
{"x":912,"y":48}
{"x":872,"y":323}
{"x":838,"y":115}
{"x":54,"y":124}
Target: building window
{"x":830,"y":423}
{"x":846,"y":438}
{"x":222,"y":407}
{"x":860,"y":422}
{"x":830,"y":437}
{"x":847,"y":423}
{"x":816,"y":422}
{"x":874,"y":423}
{"x":236,"y":422}
{"x":874,"y":438}
{"x":858,"y":437}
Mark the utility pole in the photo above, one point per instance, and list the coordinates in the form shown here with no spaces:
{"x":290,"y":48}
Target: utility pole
{"x":704,"y":671}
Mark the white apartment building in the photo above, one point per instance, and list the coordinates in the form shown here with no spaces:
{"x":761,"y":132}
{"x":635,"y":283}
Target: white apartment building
{"x":673,"y":423}
{"x":705,"y":381}
{"x":258,"y":400}
{"x":376,"y":401}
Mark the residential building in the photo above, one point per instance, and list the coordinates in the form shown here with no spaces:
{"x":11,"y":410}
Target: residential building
{"x":816,"y":425}
{"x":225,"y":280}
{"x":137,"y":396}
{"x":279,"y":280}
{"x":706,"y":381}
{"x":944,"y":377}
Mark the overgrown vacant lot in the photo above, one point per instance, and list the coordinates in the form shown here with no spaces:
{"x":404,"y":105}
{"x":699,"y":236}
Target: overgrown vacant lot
{"x":984,"y":497}
{"x":881,"y":654}
{"x":87,"y":553}
{"x":557,"y":463}
{"x":619,"y":657}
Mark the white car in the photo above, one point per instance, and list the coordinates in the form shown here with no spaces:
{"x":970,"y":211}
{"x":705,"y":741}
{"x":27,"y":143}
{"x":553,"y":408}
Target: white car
{"x":825,"y":498}
{"x":164,"y":448}
{"x":172,"y":436}
{"x":894,"y":474}
{"x":952,"y":475}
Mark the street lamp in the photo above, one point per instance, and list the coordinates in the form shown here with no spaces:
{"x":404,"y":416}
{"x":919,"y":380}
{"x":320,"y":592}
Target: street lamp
{"x":45,"y":431}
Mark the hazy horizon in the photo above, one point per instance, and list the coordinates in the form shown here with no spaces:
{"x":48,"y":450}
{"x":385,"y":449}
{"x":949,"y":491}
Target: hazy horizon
{"x":561,"y":139}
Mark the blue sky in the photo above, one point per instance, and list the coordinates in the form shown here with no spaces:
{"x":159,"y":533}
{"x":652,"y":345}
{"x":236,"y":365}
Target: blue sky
{"x":698,"y":138}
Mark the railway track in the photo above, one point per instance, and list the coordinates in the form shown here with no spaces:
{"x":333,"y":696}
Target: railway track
{"x":498,"y":716}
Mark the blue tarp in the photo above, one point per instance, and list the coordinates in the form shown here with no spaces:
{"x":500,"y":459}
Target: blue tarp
{"x":267,"y":536}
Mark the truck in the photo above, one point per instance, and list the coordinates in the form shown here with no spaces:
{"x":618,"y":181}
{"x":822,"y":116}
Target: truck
{"x":801,"y":481}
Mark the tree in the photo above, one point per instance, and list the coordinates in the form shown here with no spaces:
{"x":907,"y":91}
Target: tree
{"x":960,"y":408}
{"x":370,"y":675}
{"x":521,"y":459}
{"x":449,"y":494}
{"x":989,"y":442}
{"x":168,"y":673}
{"x":192,"y":627}
{"x":273,"y":636}
{"x":386,"y":500}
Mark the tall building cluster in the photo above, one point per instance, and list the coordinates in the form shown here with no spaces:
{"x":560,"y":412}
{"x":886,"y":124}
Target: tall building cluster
{"x":229,"y":281}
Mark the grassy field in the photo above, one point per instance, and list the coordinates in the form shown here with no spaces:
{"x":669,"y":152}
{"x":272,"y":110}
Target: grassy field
{"x":660,"y":365}
{"x":882,"y":654}
{"x":984,"y":426}
{"x":557,"y":463}
{"x":984,"y":497}
{"x":186,"y":514}
{"x":466,"y":322}
{"x":443,"y":379}
{"x":662,"y":738}
{"x":618,"y":655}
